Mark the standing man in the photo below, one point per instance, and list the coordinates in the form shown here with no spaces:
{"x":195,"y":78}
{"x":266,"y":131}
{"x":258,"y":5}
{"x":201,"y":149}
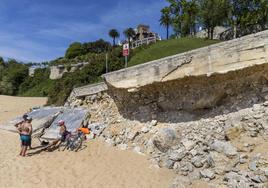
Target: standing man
{"x":25,"y":131}
{"x":24,"y":117}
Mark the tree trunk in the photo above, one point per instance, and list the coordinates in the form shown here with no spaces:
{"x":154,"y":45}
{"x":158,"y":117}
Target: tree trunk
{"x":235,"y":30}
{"x":208,"y":32}
{"x":114,"y":41}
{"x":211,"y":33}
{"x":194,"y":30}
{"x":167,"y":31}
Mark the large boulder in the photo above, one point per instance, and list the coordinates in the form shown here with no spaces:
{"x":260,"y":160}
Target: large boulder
{"x":224,"y":147}
{"x":165,"y":139}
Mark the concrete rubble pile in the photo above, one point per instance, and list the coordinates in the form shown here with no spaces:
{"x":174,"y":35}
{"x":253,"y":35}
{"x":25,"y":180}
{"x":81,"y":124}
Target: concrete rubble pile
{"x":222,"y":150}
{"x":203,"y":114}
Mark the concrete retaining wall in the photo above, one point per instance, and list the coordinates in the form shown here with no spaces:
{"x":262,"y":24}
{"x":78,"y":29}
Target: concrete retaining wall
{"x":215,"y":59}
{"x":90,"y":89}
{"x":87,"y":90}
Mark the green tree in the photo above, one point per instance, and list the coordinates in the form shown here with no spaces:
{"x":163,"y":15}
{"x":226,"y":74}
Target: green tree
{"x":176,"y":19}
{"x":189,"y":17}
{"x":263,"y":13}
{"x":165,"y":19}
{"x":2,"y":66}
{"x":113,"y":33}
{"x":98,"y":46}
{"x":75,"y":49}
{"x":129,"y":33}
{"x":12,"y":75}
{"x":245,"y":13}
{"x":213,"y":13}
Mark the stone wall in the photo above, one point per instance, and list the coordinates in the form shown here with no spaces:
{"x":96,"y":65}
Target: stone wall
{"x":56,"y":72}
{"x":31,"y":71}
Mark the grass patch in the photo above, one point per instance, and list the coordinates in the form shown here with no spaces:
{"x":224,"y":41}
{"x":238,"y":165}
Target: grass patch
{"x":166,"y":48}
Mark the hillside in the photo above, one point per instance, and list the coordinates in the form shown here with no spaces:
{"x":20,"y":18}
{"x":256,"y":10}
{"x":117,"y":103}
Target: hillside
{"x":90,"y":74}
{"x":58,"y":90}
{"x":167,"y":48}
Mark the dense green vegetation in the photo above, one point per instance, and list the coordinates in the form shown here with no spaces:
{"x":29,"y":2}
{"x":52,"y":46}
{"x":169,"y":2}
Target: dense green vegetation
{"x":171,"y":47}
{"x":14,"y":79}
{"x":37,"y":86}
{"x":12,"y":75}
{"x":185,"y":15}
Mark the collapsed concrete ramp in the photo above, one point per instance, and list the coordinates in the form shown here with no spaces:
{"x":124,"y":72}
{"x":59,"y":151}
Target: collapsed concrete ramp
{"x":41,"y":117}
{"x":73,"y":119}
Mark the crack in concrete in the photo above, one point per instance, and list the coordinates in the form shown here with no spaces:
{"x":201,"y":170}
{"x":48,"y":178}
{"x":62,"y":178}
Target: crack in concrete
{"x":187,"y":61}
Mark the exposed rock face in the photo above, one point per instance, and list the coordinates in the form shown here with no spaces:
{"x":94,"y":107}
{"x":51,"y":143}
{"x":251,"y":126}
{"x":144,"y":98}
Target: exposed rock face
{"x":195,"y":97}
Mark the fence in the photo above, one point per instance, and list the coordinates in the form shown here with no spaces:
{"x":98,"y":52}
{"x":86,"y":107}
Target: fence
{"x":147,"y":41}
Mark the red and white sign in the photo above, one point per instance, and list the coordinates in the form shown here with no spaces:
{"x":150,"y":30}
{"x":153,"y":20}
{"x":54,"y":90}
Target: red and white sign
{"x":125,"y":49}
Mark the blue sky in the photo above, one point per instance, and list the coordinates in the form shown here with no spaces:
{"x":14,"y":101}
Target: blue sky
{"x":41,"y":30}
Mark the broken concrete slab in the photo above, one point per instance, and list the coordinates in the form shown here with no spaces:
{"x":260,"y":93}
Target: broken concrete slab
{"x":73,"y":118}
{"x":40,"y":116}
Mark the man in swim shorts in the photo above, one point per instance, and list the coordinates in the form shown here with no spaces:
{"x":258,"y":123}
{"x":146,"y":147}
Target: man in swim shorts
{"x":25,"y":116}
{"x":25,"y":131}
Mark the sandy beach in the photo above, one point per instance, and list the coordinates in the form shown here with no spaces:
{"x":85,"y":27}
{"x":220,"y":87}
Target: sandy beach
{"x":98,"y":165}
{"x":11,"y":107}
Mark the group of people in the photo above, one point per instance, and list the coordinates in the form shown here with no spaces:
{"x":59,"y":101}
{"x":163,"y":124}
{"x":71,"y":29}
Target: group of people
{"x":25,"y":130}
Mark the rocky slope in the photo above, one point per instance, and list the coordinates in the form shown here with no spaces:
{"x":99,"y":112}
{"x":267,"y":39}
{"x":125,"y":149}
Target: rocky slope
{"x":228,"y":150}
{"x":203,"y":113}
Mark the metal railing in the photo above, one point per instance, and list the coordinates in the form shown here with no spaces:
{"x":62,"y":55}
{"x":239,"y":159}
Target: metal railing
{"x":147,"y":41}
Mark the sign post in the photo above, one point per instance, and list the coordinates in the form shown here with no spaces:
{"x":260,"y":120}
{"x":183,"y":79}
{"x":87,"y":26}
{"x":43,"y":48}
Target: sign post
{"x":126,"y":52}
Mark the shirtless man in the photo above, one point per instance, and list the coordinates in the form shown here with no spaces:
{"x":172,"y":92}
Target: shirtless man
{"x":25,"y":131}
{"x":24,"y":117}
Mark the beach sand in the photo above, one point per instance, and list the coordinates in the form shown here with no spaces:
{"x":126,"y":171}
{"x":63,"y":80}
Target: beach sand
{"x":98,"y":165}
{"x":11,"y":107}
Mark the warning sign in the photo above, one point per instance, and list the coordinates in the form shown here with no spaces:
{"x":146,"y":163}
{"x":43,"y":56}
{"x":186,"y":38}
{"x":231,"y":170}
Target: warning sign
{"x":126,"y":49}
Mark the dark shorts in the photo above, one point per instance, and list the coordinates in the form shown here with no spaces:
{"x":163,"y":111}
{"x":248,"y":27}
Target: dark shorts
{"x":64,"y":136}
{"x":25,"y":140}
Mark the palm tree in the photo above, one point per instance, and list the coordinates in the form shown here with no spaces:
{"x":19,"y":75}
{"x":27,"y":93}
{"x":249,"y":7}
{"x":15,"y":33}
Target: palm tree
{"x":189,"y":16}
{"x":165,"y":19}
{"x":113,"y":33}
{"x":129,"y":33}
